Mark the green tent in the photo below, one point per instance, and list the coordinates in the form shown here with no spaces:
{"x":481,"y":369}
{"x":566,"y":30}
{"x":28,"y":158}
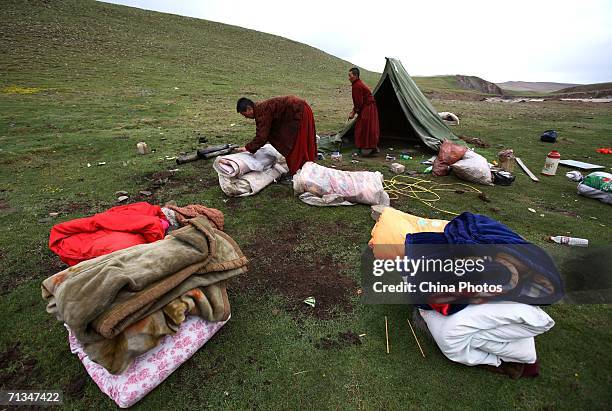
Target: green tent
{"x":403,"y":110}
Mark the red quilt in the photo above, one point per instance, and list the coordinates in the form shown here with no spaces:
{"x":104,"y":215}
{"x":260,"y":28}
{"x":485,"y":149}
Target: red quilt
{"x":115,"y":229}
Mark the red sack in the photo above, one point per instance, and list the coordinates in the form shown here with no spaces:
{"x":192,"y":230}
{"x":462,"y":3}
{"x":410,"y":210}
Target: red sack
{"x":115,"y":229}
{"x":449,"y":154}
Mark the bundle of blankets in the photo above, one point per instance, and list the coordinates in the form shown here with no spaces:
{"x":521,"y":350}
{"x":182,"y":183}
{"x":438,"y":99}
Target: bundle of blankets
{"x":245,"y":174}
{"x":322,"y":186}
{"x":123,"y":303}
{"x":488,"y":330}
{"x":525,"y":271}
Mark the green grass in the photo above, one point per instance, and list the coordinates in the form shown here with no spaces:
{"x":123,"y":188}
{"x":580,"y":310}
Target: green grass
{"x":105,"y":77}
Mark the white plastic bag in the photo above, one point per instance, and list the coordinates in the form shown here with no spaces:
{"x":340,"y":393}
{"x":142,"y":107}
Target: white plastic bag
{"x":474,"y":168}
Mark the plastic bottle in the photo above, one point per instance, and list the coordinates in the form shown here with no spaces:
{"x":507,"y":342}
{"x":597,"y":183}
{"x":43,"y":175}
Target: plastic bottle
{"x":572,"y":241}
{"x":552,"y":161}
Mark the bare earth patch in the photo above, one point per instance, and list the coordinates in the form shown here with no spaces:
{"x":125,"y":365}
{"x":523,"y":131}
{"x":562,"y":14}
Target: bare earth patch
{"x":17,"y":370}
{"x":340,"y":341}
{"x":275,"y":264}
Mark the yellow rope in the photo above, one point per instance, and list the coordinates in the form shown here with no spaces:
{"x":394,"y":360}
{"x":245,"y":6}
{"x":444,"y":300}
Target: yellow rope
{"x":396,"y":188}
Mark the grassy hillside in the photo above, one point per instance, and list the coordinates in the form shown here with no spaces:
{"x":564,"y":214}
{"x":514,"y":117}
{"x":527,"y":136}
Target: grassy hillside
{"x":586,"y":88}
{"x":71,"y":48}
{"x":463,"y":86}
{"x":83,"y":82}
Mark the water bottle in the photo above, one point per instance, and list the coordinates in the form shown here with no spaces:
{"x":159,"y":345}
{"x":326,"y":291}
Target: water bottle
{"x":571,"y":241}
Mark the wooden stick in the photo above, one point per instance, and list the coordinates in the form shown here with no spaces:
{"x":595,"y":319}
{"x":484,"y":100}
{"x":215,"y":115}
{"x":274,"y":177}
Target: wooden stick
{"x":415,"y":338}
{"x":526,"y":170}
{"x":387,"y":333}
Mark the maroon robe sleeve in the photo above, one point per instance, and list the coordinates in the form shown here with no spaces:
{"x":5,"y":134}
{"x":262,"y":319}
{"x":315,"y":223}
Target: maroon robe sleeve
{"x":357,"y":97}
{"x":263,"y":123}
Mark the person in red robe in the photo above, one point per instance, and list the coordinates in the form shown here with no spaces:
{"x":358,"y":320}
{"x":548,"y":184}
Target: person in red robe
{"x":287,"y":123}
{"x":367,"y":130}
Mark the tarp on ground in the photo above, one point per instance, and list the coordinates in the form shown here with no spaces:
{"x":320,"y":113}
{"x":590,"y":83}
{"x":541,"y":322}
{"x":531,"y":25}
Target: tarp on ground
{"x":404,"y":112}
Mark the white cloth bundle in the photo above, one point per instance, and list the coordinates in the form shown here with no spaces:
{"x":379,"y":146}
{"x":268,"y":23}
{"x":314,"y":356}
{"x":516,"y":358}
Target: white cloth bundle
{"x":246,"y":174}
{"x":489,"y":333}
{"x":322,"y":186}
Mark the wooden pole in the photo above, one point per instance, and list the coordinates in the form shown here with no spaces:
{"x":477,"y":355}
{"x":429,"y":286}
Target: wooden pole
{"x":526,"y":170}
{"x":387,"y":333}
{"x":415,"y":338}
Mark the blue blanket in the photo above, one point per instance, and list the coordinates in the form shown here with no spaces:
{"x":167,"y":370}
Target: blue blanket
{"x":539,"y":280}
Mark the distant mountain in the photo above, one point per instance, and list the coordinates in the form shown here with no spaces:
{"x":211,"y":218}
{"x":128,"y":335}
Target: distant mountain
{"x":478,"y":84}
{"x":453,"y":84}
{"x":534,"y":86}
{"x":588,"y":88}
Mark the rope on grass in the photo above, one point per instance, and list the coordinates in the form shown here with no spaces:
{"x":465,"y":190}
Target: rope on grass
{"x":416,"y":187}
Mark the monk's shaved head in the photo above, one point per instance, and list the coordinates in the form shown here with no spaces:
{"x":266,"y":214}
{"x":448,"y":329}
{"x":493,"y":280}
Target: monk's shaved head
{"x":243,"y":104}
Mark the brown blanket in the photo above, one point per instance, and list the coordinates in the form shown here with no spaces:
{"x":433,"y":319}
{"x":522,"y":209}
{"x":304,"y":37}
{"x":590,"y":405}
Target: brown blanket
{"x":139,"y":294}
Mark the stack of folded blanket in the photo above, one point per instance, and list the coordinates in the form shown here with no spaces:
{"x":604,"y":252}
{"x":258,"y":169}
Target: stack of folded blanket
{"x":122,"y":304}
{"x":119,"y":305}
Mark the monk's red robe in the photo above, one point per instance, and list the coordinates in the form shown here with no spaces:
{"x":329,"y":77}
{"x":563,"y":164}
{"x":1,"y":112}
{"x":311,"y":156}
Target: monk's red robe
{"x":288,"y":124}
{"x":367,"y":130}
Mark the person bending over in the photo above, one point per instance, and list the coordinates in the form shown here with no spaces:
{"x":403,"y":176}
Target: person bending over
{"x":287,"y":123}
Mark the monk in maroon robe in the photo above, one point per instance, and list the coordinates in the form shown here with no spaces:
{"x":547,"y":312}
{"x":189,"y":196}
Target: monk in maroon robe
{"x":287,"y":123}
{"x":367,"y":130}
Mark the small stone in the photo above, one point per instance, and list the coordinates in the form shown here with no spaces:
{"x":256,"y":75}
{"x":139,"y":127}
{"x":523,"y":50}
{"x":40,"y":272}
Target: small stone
{"x":121,"y":193}
{"x":44,"y":220}
{"x":484,"y":197}
{"x":122,"y":199}
{"x":53,"y":214}
{"x":145,"y":193}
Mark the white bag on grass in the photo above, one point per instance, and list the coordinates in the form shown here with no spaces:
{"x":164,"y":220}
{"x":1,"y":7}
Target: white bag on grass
{"x":474,"y":168}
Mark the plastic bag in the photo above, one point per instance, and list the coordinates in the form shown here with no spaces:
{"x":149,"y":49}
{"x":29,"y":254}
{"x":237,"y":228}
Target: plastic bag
{"x":599,"y":180}
{"x":597,"y":185}
{"x":449,"y":154}
{"x":549,"y":136}
{"x":473,"y":167}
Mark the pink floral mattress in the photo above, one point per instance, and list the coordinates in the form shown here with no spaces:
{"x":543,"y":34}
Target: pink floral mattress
{"x":151,"y":368}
